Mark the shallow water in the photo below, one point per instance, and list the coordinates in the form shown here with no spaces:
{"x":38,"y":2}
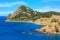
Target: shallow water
{"x":22,"y":31}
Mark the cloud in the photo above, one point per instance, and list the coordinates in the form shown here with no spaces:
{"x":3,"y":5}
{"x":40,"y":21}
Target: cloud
{"x":23,"y":3}
{"x":50,"y":0}
{"x":4,"y":13}
{"x":12,"y":4}
{"x":48,"y":8}
{"x":5,"y":5}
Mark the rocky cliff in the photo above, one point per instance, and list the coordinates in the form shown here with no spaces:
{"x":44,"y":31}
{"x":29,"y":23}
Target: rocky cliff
{"x":53,"y":28}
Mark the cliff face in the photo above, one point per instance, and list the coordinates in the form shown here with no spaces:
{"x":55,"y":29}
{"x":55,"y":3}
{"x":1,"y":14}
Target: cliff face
{"x":53,"y":28}
{"x":52,"y":25}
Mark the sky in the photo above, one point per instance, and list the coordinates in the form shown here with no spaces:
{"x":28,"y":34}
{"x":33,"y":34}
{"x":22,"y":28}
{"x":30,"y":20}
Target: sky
{"x":10,"y":6}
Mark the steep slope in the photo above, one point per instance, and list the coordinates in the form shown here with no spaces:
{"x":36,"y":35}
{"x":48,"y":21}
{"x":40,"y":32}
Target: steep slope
{"x":24,"y":13}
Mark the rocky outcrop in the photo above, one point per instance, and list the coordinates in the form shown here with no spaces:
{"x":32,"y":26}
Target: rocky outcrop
{"x":53,"y":28}
{"x":9,"y":17}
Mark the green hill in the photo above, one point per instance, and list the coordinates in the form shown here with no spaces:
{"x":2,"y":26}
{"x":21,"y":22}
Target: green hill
{"x":24,"y":13}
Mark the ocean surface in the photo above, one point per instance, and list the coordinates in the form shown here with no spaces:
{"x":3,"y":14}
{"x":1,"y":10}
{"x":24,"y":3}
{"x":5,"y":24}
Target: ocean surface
{"x":22,"y":31}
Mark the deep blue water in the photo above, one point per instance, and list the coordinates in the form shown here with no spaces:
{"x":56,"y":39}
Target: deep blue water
{"x":22,"y":31}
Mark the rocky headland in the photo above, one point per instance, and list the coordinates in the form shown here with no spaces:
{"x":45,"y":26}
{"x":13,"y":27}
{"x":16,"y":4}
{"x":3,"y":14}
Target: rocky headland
{"x":50,"y":19}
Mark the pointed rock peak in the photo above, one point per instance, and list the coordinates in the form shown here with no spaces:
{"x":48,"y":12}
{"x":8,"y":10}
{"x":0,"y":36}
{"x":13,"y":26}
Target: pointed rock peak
{"x":21,"y":7}
{"x":24,"y":8}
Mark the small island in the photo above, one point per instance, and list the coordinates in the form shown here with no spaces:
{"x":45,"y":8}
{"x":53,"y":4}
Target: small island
{"x":50,"y":20}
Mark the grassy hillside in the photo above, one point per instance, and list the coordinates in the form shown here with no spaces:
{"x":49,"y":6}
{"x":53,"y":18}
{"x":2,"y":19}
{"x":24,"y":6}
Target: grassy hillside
{"x":24,"y":13}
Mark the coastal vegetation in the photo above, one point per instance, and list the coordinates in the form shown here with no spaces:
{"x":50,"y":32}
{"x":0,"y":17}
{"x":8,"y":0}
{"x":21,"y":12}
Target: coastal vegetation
{"x":24,"y":13}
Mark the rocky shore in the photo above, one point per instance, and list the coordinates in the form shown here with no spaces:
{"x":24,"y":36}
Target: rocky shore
{"x":53,"y":28}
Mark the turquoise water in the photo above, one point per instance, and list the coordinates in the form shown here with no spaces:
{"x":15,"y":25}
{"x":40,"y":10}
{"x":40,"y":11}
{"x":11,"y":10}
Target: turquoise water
{"x":22,"y":31}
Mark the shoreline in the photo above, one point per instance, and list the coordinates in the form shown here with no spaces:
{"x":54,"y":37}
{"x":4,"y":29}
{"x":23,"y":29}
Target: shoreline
{"x":26,"y":22}
{"x":39,"y":31}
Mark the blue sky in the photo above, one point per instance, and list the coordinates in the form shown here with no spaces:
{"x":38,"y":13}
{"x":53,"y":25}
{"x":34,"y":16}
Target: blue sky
{"x":10,"y":6}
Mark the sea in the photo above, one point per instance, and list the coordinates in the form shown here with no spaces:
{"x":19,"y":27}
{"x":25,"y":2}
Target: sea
{"x":23,"y":31}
